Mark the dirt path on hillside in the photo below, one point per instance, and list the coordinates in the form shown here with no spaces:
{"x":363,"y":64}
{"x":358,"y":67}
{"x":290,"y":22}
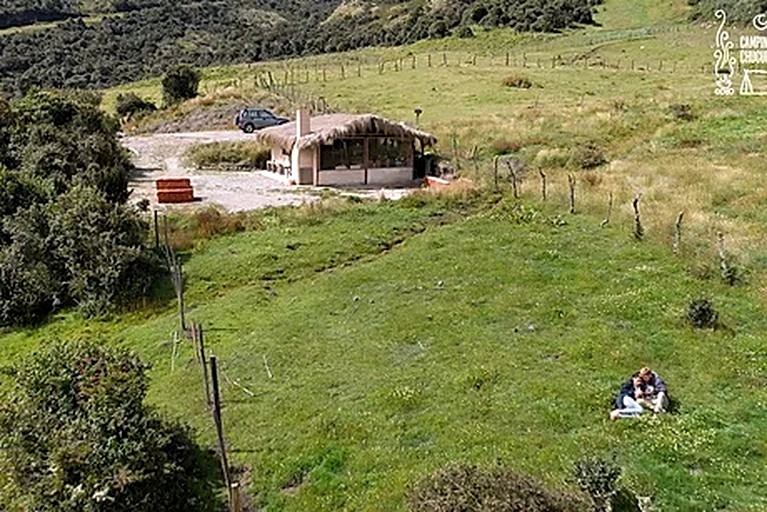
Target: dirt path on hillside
{"x":161,"y":156}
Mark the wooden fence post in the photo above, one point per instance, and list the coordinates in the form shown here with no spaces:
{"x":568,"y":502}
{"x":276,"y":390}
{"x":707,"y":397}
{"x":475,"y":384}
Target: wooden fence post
{"x":495,"y":172}
{"x":638,"y":229}
{"x":156,"y":232}
{"x":543,"y":184}
{"x":678,"y":233}
{"x":606,"y":220}
{"x":571,"y":184}
{"x":218,"y":423}
{"x":513,"y":179}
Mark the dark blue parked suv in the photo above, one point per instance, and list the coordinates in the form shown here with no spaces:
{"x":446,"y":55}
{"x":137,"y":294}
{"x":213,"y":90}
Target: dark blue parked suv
{"x":252,"y":119}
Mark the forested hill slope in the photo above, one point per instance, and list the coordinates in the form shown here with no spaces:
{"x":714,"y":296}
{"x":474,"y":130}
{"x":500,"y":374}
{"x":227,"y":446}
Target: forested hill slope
{"x":133,"y":39}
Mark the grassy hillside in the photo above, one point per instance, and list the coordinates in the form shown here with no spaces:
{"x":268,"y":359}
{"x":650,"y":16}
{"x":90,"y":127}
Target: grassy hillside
{"x":403,"y":336}
{"x":501,"y":337}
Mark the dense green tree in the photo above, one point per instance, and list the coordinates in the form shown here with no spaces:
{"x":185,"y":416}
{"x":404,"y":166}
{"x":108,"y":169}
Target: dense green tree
{"x":153,"y":36}
{"x":66,"y":236}
{"x":179,"y":84}
{"x":129,"y":104}
{"x":76,"y":436}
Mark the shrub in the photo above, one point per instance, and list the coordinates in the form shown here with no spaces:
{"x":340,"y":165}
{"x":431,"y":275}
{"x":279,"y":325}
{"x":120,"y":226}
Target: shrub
{"x":681,"y":112}
{"x":179,"y":84}
{"x":587,"y":156}
{"x":504,"y":146}
{"x":702,"y":314}
{"x":76,"y":435}
{"x":499,"y":489}
{"x":464,"y":32}
{"x":129,"y":104}
{"x":89,"y":251}
{"x":599,"y":479}
{"x":438,"y":30}
{"x":518,"y":81}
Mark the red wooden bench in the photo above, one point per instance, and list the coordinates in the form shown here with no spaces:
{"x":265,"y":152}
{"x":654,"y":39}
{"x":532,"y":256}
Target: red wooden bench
{"x":174,"y":190}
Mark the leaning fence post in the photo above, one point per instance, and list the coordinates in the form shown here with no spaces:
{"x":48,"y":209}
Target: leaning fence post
{"x":678,"y":233}
{"x":218,"y":423}
{"x":513,"y":177}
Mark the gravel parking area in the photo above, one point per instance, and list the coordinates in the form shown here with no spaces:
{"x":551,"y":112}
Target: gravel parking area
{"x":160,"y":156}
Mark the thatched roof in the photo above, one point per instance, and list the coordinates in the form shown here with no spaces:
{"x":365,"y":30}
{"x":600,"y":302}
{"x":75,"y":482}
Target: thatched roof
{"x":326,"y":128}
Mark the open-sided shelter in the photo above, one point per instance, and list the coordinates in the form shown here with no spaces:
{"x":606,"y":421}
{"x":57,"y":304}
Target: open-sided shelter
{"x":345,"y":150}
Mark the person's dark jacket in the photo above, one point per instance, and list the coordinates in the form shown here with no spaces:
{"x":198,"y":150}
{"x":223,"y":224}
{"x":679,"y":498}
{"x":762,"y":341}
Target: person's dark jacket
{"x":627,"y":389}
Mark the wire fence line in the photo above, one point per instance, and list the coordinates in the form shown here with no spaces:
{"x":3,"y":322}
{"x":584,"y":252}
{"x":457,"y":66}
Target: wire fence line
{"x":286,"y":75}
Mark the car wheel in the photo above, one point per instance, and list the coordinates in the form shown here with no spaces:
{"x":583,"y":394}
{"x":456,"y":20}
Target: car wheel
{"x":249,"y":128}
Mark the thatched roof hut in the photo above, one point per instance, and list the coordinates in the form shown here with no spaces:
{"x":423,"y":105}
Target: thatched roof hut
{"x":326,"y":128}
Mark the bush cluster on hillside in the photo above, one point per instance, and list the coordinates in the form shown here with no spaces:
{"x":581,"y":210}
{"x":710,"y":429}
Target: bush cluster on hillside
{"x":464,"y":487}
{"x":66,"y":235}
{"x":737,"y":10}
{"x":150,"y":37}
{"x":75,"y":435}
{"x":130,"y":104}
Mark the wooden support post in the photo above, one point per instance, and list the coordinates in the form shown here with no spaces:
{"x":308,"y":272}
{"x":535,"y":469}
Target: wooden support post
{"x":428,"y":60}
{"x":218,"y":423}
{"x":444,"y":59}
{"x":543,"y":184}
{"x":343,"y":72}
{"x":359,"y":69}
{"x":235,"y":497}
{"x":412,"y":62}
{"x":508,"y":59}
{"x":495,"y":172}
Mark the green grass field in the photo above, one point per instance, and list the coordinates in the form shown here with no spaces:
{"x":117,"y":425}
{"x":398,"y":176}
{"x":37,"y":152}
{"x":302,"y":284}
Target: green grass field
{"x":402,"y":336}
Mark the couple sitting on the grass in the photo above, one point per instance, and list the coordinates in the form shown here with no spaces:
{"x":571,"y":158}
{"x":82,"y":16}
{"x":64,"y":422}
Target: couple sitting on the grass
{"x":644,"y":390}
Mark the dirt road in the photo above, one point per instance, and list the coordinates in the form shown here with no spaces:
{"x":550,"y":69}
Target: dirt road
{"x":161,"y":156}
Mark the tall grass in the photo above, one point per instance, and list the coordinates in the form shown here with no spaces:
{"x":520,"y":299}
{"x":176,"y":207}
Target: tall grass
{"x":222,"y":154}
